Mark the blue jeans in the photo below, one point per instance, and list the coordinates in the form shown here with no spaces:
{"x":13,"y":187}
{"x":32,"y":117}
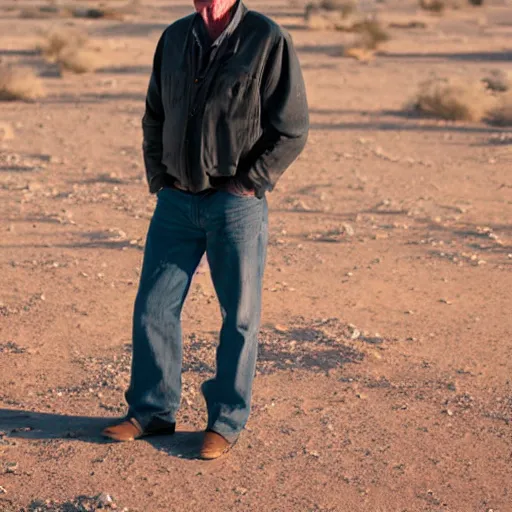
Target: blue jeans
{"x":233,"y":230}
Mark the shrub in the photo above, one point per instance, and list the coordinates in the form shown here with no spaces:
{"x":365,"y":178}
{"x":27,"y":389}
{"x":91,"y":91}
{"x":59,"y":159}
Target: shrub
{"x":498,"y":80}
{"x":371,"y":34}
{"x":346,"y":7}
{"x":56,"y":40}
{"x":80,"y":60}
{"x":19,"y":84}
{"x":501,"y":113}
{"x":433,"y":5}
{"x":329,"y":15}
{"x":453,"y":100}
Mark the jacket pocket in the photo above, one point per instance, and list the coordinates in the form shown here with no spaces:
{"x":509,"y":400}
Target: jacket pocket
{"x":231,"y":122}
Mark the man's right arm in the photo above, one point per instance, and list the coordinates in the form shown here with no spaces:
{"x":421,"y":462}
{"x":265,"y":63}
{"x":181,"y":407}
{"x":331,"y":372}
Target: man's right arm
{"x":152,"y":125}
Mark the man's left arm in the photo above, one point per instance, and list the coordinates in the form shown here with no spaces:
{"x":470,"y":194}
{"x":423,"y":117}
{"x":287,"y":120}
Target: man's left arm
{"x":285,"y":120}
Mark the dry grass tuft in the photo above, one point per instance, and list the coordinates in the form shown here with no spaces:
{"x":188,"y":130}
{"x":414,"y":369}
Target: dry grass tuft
{"x":98,"y":13}
{"x":371,"y":34}
{"x":73,"y":11}
{"x":19,"y":84}
{"x":453,"y":100}
{"x":498,"y":80}
{"x":68,"y":48}
{"x":346,"y":7}
{"x":501,"y":113}
{"x":439,"y":6}
{"x":370,"y":37}
{"x":329,"y":14}
{"x":433,"y":5}
{"x":408,"y":24}
{"x":80,"y":60}
{"x":45,"y":12}
{"x":55,"y":41}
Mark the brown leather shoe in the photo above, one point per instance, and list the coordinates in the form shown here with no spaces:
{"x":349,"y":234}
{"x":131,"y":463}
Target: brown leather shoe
{"x":130,"y":429}
{"x":214,"y":445}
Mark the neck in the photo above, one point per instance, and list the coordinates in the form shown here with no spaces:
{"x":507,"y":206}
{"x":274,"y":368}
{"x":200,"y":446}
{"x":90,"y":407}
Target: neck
{"x":216,"y":15}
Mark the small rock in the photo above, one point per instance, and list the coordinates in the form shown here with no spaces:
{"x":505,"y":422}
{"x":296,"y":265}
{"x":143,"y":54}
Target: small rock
{"x":355,"y":334}
{"x":349,"y":230}
{"x":11,"y":467}
{"x":105,"y":500}
{"x":2,"y":490}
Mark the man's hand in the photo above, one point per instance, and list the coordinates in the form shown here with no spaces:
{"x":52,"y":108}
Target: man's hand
{"x":235,"y":187}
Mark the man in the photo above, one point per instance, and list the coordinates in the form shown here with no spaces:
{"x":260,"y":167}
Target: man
{"x":226,"y":114}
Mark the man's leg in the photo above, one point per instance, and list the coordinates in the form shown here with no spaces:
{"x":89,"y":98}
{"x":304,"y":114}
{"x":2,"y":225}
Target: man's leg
{"x":174,"y":248}
{"x":237,"y":234}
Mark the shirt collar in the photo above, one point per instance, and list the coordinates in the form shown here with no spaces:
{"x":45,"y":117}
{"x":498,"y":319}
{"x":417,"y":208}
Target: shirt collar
{"x":201,"y":35}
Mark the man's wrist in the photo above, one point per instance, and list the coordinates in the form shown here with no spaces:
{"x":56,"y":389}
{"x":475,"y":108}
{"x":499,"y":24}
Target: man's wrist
{"x":245,"y":182}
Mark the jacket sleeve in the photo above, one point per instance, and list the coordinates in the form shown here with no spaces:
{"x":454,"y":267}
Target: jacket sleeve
{"x":152,"y":125}
{"x":285,"y":120}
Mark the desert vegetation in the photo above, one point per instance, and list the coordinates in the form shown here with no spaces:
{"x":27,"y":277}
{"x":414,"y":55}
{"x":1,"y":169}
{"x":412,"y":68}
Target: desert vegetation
{"x":453,"y":99}
{"x":19,"y":83}
{"x":456,"y":99}
{"x":501,"y":113}
{"x":346,"y":16}
{"x":71,"y":50}
{"x":439,"y":6}
{"x":101,"y":11}
{"x":333,"y":15}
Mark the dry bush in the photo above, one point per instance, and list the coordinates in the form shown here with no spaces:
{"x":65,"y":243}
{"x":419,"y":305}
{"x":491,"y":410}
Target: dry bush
{"x":98,"y":13}
{"x":19,"y":84}
{"x":407,"y":24}
{"x":498,"y":80}
{"x":453,"y":100}
{"x":56,"y":40}
{"x":501,"y":113}
{"x":439,"y":6}
{"x":73,"y":11}
{"x":68,"y":48}
{"x":328,"y":15}
{"x":342,"y":15}
{"x":80,"y":60}
{"x":45,"y":12}
{"x":346,"y":7}
{"x":433,"y":5}
{"x":371,"y":34}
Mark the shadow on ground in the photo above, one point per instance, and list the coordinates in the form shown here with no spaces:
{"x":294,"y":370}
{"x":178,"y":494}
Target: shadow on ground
{"x":37,"y":425}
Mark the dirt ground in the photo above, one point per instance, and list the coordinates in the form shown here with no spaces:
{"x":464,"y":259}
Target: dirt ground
{"x":385,"y":375}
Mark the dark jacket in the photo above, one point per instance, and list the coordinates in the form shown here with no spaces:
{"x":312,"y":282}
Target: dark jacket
{"x":243,"y":115}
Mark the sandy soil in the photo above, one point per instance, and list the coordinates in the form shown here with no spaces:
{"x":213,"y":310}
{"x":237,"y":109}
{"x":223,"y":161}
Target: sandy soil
{"x":385,"y":374}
